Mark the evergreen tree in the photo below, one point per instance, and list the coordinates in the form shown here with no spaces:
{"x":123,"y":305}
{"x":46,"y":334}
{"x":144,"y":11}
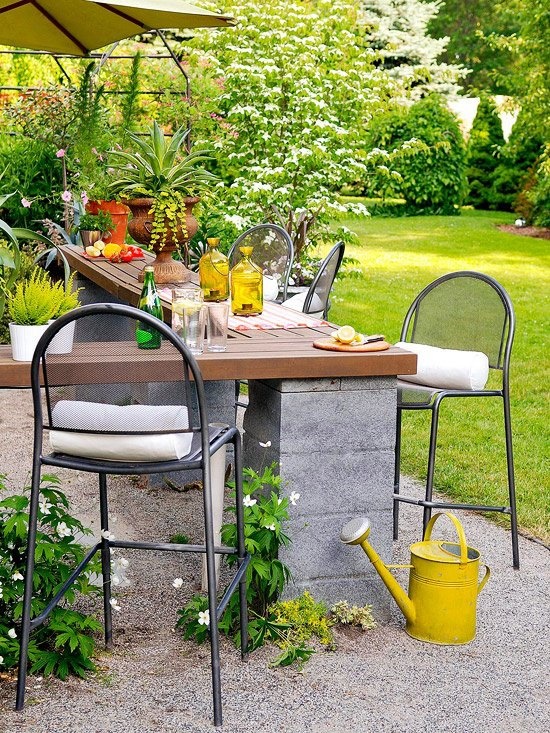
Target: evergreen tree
{"x":484,"y":146}
{"x":517,"y":165}
{"x":398,"y":31}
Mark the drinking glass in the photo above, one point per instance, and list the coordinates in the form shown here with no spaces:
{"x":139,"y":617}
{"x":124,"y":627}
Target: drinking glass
{"x":216,"y":326}
{"x":189,"y":317}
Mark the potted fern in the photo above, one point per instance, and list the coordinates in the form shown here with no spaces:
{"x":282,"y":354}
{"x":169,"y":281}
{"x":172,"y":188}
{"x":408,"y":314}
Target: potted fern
{"x":161,"y":183}
{"x":32,"y":306}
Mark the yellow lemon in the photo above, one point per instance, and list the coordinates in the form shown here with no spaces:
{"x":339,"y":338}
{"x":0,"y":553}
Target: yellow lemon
{"x":111,"y":249}
{"x":345,"y":334}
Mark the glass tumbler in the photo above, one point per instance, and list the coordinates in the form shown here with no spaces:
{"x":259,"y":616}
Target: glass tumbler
{"x":189,"y":317}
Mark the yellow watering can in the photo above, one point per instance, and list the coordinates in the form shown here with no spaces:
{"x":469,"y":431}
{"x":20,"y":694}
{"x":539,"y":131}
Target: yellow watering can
{"x":443,"y":582}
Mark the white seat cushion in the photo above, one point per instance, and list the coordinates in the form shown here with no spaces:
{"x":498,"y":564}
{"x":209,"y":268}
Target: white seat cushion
{"x":94,"y":416}
{"x":296,"y":303}
{"x":447,"y":368}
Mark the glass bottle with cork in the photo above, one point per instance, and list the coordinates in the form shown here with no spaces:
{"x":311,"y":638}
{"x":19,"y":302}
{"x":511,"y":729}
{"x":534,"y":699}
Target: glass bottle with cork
{"x":214,"y":273}
{"x":247,"y":298}
{"x":148,"y":337}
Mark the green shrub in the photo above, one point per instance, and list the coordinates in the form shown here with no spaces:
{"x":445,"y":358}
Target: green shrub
{"x":64,"y":644}
{"x":30,"y":167}
{"x":432,"y":159}
{"x":539,"y":195}
{"x":484,"y":146}
{"x":516,"y":167}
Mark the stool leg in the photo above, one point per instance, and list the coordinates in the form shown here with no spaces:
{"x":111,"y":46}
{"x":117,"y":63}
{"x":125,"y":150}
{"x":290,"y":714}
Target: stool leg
{"x":212,"y":600}
{"x":511,"y":480}
{"x":243,"y":607}
{"x":27,"y":596}
{"x":396,"y":473}
{"x":105,"y":561}
{"x":431,"y":463}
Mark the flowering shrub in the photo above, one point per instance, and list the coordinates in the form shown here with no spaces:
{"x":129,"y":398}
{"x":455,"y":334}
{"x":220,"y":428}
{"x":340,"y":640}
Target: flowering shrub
{"x":64,"y":644}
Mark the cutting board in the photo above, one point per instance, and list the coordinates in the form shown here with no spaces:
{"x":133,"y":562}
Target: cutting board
{"x":329,"y":344}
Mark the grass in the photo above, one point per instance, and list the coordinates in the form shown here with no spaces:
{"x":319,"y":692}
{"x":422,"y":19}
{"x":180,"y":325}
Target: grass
{"x":398,"y":258}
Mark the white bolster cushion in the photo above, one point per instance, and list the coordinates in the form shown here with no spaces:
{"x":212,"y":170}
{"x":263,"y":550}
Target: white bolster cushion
{"x":296,"y":303}
{"x":78,"y":415}
{"x":447,"y":368}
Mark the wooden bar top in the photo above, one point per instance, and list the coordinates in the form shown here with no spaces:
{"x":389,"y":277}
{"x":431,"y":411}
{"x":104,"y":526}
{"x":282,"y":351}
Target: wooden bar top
{"x":252,"y":354}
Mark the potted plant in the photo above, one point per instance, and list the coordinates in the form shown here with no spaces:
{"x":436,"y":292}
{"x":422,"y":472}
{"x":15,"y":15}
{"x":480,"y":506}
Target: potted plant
{"x":32,"y":306}
{"x":93,"y":227}
{"x":161,"y":183}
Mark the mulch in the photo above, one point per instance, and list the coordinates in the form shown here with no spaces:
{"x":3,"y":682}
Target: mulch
{"x":538,"y":232}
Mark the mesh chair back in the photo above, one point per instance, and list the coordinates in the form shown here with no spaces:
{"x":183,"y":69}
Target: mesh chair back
{"x":463,"y":310}
{"x":109,"y":386}
{"x":273,"y":251}
{"x":317,"y":297}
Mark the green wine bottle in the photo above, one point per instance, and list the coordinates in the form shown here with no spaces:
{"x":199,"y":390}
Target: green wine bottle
{"x":148,"y":337}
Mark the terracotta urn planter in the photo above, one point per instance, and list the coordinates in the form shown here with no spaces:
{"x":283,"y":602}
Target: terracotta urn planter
{"x":119,"y":214}
{"x":167,"y":270}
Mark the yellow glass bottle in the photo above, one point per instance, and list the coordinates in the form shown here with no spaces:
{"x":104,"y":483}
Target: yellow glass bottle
{"x":247,"y":297}
{"x":214,"y":273}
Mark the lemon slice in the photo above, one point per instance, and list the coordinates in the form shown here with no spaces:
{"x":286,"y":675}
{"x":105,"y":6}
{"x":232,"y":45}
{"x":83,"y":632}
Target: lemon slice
{"x":345,"y":334}
{"x":358,"y":338}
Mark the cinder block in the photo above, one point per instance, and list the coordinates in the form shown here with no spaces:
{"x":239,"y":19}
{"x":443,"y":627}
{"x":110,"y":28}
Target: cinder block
{"x":352,"y":482}
{"x":316,"y":551}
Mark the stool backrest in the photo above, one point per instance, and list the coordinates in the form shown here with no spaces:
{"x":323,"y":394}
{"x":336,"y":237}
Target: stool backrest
{"x":463,"y":310}
{"x":273,"y":252}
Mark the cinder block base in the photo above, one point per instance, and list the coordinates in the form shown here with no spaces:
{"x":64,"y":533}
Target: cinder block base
{"x":334,"y":442}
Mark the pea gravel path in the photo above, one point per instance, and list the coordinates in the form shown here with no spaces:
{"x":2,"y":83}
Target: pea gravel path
{"x":380,"y":681}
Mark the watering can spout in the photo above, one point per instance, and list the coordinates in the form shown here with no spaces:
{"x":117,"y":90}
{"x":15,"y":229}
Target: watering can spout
{"x":356,"y":532}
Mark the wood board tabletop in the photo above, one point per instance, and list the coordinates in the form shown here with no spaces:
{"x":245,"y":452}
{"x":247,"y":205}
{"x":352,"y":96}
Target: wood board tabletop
{"x":280,"y":353}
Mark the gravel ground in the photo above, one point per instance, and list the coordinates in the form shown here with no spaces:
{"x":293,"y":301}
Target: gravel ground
{"x":381,"y":681}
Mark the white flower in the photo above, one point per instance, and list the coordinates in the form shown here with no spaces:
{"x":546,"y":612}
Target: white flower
{"x":45,"y":506}
{"x":1,"y":660}
{"x":114,"y":604}
{"x":271,"y":527}
{"x":115,"y":580}
{"x":177,"y":582}
{"x":293,"y":498}
{"x":12,"y":634}
{"x":249,"y":501}
{"x":107,"y":535}
{"x":123,"y":562}
{"x":62,"y":530}
{"x":266,"y":445}
{"x":204,"y":618}
{"x":17,"y":576}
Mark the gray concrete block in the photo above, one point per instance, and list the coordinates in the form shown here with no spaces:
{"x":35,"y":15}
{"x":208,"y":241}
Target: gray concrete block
{"x":360,"y":383}
{"x":317,"y":552}
{"x":367,"y":487}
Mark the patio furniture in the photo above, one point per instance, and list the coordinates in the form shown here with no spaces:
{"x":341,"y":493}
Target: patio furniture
{"x":330,"y":418}
{"x":316,"y":301}
{"x":273,"y":252}
{"x":112,"y":418}
{"x":472,"y":315}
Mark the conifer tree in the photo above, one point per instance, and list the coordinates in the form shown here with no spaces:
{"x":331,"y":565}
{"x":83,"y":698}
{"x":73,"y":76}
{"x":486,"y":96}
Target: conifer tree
{"x":484,"y":147}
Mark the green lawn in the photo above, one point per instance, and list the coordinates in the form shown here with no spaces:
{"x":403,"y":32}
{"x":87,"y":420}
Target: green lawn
{"x":398,"y":258}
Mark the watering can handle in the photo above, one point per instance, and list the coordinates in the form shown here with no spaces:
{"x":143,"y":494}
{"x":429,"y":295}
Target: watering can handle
{"x":461,"y":536}
{"x":484,"y":579}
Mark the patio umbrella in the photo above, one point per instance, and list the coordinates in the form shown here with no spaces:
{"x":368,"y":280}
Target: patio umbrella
{"x":80,"y":26}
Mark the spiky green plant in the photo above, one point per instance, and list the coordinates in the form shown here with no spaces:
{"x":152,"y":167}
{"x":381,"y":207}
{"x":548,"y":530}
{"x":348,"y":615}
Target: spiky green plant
{"x":158,"y":166}
{"x":161,"y":170}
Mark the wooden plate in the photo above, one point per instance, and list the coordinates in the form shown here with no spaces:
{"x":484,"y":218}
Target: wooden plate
{"x":329,"y":344}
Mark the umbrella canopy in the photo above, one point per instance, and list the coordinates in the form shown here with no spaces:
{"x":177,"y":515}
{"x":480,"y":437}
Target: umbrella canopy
{"x":80,"y":26}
